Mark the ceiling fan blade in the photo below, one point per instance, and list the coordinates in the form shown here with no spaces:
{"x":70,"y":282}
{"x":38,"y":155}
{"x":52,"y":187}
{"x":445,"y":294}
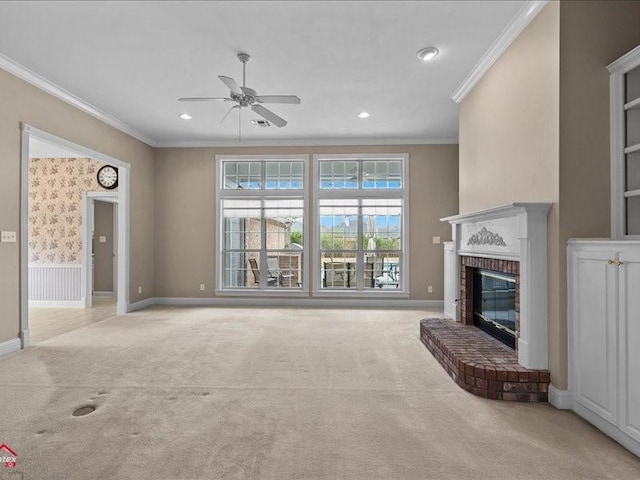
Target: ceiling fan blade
{"x":231,"y":83}
{"x":204,"y":99}
{"x":291,"y":99}
{"x":269,"y":115}
{"x":227,"y":114}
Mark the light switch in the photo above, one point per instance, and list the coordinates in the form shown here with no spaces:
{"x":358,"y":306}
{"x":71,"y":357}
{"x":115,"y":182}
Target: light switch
{"x":103,"y":239}
{"x":8,"y":237}
{"x":436,"y":239}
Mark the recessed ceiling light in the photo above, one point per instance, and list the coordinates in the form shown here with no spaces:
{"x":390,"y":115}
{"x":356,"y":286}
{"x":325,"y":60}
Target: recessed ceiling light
{"x":426,"y":54}
{"x":363,"y":115}
{"x":185,"y":116}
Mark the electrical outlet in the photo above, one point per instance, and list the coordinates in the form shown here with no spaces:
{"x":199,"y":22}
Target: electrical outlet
{"x":202,"y":286}
{"x":140,"y":289}
{"x":8,"y":237}
{"x":429,"y":289}
{"x":436,"y":239}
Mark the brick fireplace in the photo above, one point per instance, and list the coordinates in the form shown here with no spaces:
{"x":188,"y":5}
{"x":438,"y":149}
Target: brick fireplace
{"x":495,"y":279}
{"x":511,"y":239}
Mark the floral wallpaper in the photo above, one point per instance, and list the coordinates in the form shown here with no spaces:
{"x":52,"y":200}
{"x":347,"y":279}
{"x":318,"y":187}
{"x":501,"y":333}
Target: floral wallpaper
{"x":56,"y":186}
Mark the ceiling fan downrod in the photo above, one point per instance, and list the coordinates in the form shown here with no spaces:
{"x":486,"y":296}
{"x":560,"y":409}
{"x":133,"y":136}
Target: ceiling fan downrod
{"x":244,"y":58}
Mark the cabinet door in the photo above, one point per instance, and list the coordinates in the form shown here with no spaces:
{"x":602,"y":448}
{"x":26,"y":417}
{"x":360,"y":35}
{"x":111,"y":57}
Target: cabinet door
{"x":629,"y":275}
{"x":594,"y":332}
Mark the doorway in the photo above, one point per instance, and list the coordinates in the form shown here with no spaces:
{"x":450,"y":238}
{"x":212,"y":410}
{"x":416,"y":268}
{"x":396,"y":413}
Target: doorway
{"x":60,"y":239}
{"x":100,"y":259}
{"x":105,"y":262}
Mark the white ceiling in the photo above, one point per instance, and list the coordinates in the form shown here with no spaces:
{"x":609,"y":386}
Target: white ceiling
{"x":132,"y":60}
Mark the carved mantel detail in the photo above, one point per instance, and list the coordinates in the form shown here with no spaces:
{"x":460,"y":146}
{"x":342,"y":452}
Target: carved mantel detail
{"x":486,"y":237}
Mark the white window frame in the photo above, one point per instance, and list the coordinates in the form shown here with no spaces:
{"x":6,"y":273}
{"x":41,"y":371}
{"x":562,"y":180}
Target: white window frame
{"x":221,"y":193}
{"x":316,"y":283}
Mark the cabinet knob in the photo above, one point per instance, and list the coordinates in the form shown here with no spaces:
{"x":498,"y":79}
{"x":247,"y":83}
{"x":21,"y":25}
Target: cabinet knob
{"x":611,"y":262}
{"x":617,"y":263}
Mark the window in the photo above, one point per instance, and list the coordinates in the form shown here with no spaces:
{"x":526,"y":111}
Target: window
{"x":262,"y":220}
{"x":361,"y":223}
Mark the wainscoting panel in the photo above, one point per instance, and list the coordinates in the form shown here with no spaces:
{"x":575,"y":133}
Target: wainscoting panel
{"x":55,"y":283}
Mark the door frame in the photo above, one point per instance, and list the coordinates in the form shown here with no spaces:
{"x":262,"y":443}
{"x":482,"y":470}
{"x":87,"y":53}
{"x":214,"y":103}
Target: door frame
{"x":88,"y":225}
{"x":124,"y":195}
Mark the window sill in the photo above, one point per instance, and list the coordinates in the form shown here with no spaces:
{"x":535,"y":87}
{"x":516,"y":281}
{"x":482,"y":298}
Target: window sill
{"x":373,"y":293}
{"x":350,"y":294}
{"x":254,"y":292}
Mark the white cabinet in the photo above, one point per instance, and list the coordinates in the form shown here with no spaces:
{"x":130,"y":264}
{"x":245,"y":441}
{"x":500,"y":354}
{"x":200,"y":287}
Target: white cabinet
{"x":451,"y":288}
{"x":604,"y":336}
{"x":629,"y":278}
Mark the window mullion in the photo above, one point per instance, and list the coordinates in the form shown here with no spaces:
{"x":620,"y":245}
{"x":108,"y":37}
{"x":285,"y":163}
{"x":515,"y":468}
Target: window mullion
{"x":263,"y":247}
{"x":360,"y":252}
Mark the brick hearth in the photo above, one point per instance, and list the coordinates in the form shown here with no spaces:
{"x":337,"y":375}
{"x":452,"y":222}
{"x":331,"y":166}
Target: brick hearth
{"x":481,"y":364}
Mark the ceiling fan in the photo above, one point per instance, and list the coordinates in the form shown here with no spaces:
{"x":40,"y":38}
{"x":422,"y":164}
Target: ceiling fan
{"x":247,"y":97}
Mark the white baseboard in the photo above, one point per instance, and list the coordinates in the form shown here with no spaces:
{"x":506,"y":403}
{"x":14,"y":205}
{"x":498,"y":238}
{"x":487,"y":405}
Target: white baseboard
{"x":561,"y":399}
{"x":147,"y":302}
{"x":57,"y":304}
{"x":97,"y":293}
{"x":608,"y":429}
{"x":234,"y":301}
{"x":10,"y":346}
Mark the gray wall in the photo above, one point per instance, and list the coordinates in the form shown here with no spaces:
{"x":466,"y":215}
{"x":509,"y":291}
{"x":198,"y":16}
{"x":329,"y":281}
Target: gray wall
{"x":22,"y":102}
{"x":185,"y":212}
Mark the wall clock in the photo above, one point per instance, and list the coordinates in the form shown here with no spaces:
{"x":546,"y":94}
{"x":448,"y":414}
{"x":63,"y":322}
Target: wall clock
{"x":108,"y":177}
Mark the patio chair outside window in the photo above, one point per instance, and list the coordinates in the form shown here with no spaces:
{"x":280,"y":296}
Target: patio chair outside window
{"x":272,"y":281}
{"x":273,"y":265}
{"x":343,"y":275}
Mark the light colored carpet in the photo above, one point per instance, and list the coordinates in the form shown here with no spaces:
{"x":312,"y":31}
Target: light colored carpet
{"x":203,"y":393}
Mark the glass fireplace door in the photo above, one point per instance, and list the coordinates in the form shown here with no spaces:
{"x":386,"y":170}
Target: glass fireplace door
{"x":494,"y":305}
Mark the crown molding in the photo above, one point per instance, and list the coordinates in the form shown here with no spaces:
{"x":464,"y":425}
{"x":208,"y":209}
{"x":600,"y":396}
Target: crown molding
{"x":309,"y":142}
{"x":522,"y":18}
{"x":51,"y":88}
{"x":625,"y":63}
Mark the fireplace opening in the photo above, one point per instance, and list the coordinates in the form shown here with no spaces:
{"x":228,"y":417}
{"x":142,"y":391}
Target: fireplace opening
{"x":494,"y":304}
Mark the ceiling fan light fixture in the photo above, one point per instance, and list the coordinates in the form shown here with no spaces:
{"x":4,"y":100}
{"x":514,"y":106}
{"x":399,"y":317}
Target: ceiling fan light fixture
{"x":363,"y":115}
{"x":428,"y":53}
{"x":185,"y":116}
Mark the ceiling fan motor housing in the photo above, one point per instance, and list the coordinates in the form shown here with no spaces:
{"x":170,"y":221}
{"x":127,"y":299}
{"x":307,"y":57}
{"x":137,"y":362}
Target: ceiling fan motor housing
{"x":247,"y":98}
{"x":244,"y":57}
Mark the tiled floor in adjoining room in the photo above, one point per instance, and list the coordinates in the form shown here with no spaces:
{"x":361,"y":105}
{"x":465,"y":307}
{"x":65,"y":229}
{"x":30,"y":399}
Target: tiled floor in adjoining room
{"x":49,"y":322}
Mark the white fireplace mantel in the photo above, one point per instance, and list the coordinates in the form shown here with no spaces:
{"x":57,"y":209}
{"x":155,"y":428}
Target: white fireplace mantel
{"x":517,"y":231}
